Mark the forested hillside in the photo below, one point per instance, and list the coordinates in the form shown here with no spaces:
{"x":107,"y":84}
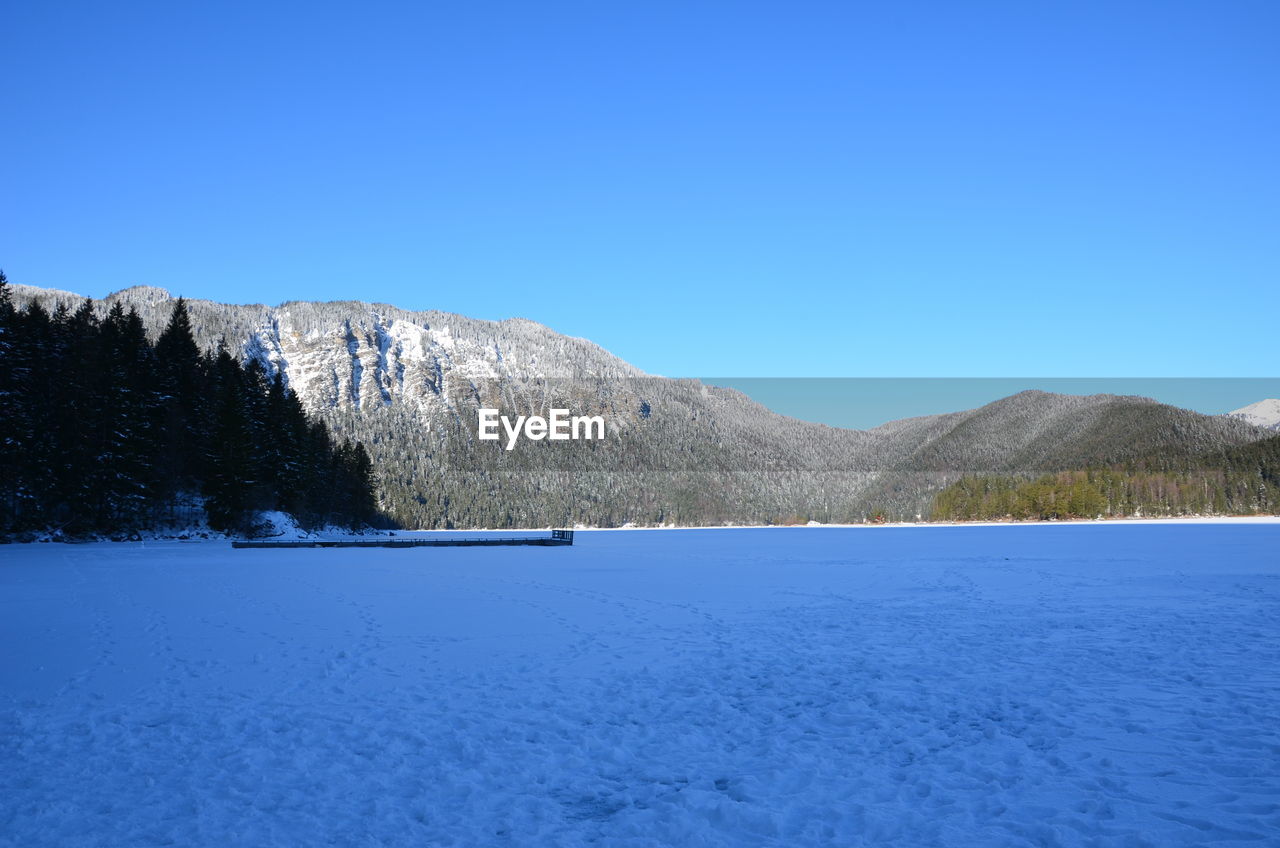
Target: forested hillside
{"x":103,"y":431}
{"x":1242,"y":480}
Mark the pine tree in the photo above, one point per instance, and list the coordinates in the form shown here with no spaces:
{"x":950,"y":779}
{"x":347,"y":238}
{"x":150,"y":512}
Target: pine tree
{"x":231,"y":477}
{"x":184,"y":414}
{"x":12,"y":410}
{"x":125,"y":470}
{"x":362,"y":505}
{"x":321,"y":494}
{"x":287,"y":431}
{"x":256,"y":398}
{"x":43,"y":344}
{"x":76,"y":382}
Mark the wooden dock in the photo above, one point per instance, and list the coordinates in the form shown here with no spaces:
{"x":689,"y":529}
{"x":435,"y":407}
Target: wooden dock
{"x":556,"y":539}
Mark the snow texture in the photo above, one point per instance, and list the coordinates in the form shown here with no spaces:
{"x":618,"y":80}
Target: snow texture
{"x":1041,"y":685}
{"x":1264,"y":413}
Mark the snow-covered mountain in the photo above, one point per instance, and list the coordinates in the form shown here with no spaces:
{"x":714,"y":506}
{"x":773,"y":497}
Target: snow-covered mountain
{"x":353,"y":355}
{"x":408,"y":385}
{"x":1264,"y":413}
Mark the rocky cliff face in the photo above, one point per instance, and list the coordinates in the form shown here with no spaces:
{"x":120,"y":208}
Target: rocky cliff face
{"x":353,"y":355}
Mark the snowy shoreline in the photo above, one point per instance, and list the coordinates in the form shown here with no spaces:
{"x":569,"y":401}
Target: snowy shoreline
{"x":1190,"y":519}
{"x":205,"y":535}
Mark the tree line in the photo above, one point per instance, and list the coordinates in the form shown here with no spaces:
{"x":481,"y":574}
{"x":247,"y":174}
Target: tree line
{"x":1241,"y":480}
{"x":103,"y":431}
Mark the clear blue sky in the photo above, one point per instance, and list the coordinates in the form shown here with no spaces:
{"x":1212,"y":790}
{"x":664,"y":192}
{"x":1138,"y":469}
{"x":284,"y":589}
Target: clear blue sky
{"x":785,"y":189}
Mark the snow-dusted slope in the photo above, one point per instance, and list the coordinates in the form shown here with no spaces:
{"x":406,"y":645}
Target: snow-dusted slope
{"x":1264,"y":413}
{"x":354,"y":355}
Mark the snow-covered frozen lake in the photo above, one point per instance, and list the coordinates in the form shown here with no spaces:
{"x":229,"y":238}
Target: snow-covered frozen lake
{"x":1069,"y":685}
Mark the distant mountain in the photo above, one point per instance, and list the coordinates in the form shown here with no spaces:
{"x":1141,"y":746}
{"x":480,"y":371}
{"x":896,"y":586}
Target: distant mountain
{"x":408,"y":385}
{"x":1264,"y":413}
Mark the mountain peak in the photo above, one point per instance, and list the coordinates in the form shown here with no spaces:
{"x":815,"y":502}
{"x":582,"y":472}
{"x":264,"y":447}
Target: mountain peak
{"x":147,"y":294}
{"x":1264,"y":413}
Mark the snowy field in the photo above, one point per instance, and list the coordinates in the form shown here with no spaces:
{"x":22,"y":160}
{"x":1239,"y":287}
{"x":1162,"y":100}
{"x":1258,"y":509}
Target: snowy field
{"x":1075,"y":685}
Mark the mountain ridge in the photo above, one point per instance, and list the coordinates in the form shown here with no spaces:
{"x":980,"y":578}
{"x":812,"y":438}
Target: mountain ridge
{"x":408,"y":384}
